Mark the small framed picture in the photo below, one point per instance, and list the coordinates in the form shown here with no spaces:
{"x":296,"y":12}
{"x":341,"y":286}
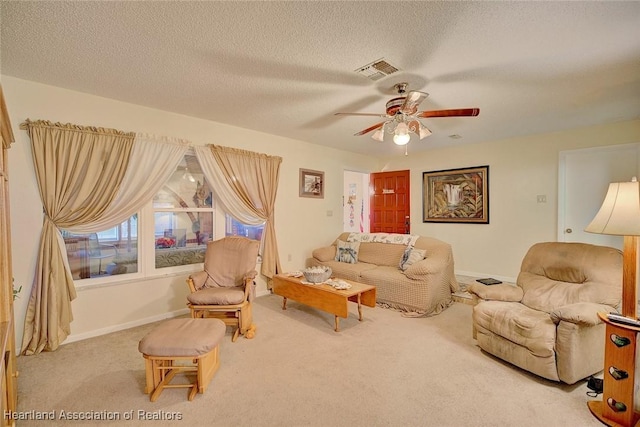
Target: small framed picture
{"x":311,"y":184}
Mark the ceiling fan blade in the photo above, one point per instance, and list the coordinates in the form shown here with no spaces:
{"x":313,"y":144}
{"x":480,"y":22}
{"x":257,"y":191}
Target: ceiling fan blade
{"x":411,"y":102}
{"x":369,"y":129}
{"x":459,"y":112}
{"x":361,"y":114}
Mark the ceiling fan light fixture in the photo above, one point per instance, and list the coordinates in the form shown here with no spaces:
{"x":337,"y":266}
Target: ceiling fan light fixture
{"x":378,"y":135}
{"x":401,"y":134}
{"x":423,"y":131}
{"x":401,"y":139}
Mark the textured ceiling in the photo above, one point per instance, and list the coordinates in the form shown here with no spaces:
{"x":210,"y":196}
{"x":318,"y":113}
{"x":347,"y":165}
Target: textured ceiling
{"x":285,"y":68}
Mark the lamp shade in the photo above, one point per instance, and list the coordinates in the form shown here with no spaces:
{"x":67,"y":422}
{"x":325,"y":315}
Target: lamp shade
{"x":620,"y":212}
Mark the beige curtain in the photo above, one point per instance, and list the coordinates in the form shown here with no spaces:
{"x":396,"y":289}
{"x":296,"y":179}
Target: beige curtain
{"x":5,"y":125}
{"x":153,"y":160}
{"x":79,"y":171}
{"x":246,"y":183}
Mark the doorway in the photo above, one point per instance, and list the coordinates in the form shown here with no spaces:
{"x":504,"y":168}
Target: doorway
{"x":584,"y":177}
{"x":390,"y":199}
{"x":378,"y":202}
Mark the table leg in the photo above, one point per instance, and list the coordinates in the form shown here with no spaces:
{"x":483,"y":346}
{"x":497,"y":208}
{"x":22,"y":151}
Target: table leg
{"x":337,"y":324}
{"x":359,"y":308}
{"x":284,"y":303}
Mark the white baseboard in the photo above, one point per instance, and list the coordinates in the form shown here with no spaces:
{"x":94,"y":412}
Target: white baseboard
{"x":115,"y":328}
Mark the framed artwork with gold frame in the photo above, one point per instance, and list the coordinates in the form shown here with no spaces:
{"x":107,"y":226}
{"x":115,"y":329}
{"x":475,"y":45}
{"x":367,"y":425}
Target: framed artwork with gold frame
{"x":456,"y":195}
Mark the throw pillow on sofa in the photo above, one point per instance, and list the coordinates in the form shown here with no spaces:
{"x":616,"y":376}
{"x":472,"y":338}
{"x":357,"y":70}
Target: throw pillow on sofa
{"x":410,"y":256}
{"x":347,"y":252}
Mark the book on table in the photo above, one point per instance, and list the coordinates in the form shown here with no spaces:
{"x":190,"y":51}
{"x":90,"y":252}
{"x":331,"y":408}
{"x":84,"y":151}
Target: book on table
{"x":489,"y":281}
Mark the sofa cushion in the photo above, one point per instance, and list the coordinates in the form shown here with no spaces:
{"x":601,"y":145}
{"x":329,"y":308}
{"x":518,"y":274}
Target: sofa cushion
{"x":519,"y":324}
{"x":347,"y":252}
{"x":388,"y":254}
{"x":344,"y":270}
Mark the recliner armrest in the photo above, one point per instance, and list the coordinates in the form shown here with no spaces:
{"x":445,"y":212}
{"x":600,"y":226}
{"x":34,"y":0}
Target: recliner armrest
{"x":500,"y":292}
{"x":581,"y":313}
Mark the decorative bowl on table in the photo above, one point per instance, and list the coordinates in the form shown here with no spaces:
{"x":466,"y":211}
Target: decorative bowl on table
{"x":317,"y":274}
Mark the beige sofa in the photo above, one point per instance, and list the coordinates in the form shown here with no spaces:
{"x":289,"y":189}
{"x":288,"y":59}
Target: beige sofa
{"x":548,"y":323}
{"x":423,"y":288}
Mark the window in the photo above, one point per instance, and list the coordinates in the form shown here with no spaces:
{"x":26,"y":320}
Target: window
{"x":172,"y":231}
{"x":108,"y":252}
{"x":236,"y":228}
{"x":183,"y":217}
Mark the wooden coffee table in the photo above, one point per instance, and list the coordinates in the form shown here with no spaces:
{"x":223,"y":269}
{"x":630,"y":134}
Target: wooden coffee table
{"x":325,"y":297}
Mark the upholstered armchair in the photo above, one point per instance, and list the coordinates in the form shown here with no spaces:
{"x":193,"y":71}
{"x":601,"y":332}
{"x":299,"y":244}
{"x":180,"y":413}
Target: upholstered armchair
{"x":547,"y":324}
{"x":226,"y":287}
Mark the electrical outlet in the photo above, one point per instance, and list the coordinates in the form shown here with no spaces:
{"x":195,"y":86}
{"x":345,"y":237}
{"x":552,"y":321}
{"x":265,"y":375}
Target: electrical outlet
{"x":289,"y":257}
{"x":542,"y":198}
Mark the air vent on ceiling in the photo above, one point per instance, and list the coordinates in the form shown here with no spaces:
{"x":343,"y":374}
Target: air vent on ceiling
{"x":377,"y":70}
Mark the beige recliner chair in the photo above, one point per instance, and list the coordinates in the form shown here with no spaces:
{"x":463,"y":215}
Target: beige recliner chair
{"x":548,"y":323}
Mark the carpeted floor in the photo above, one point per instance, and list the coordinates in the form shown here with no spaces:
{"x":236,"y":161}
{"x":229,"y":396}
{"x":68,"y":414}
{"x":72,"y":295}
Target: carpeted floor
{"x":387,"y":370}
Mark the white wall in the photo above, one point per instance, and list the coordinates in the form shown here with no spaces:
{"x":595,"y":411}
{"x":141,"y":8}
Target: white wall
{"x":519,"y":170}
{"x":302,"y":224}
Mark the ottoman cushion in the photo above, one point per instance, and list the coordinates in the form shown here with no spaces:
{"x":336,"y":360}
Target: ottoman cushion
{"x":183,"y":337}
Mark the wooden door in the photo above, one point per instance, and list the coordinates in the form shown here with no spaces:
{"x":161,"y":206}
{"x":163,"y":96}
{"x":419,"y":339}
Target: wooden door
{"x":389,"y":202}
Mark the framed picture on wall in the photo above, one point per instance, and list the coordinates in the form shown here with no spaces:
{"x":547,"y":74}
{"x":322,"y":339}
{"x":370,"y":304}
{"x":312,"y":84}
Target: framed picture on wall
{"x":311,"y":184}
{"x":456,"y":195}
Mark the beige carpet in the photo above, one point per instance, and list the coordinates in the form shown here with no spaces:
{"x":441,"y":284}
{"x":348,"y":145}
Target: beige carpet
{"x":385,"y":371}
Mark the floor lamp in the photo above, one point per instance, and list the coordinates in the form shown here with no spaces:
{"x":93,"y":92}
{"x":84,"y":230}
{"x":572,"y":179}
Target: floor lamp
{"x":620,"y":215}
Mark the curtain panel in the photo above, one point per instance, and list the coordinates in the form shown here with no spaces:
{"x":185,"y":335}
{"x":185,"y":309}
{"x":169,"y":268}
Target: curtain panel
{"x":153,"y":159}
{"x":78,"y":171}
{"x":5,"y":125}
{"x":246,"y":184}
{"x":90,"y":179}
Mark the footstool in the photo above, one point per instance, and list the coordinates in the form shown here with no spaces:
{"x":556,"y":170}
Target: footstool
{"x":181,"y":345}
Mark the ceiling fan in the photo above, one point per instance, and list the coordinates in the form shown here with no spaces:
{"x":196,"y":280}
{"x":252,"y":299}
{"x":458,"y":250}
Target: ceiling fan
{"x":403,"y":118}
